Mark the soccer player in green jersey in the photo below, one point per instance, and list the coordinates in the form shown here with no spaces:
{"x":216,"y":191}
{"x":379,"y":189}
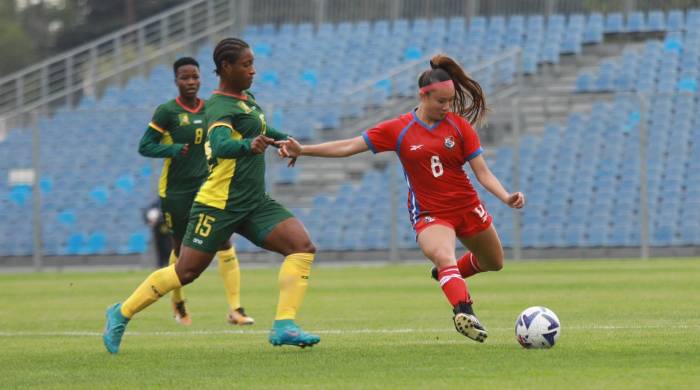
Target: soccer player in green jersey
{"x":233,"y":200}
{"x":177,"y":134}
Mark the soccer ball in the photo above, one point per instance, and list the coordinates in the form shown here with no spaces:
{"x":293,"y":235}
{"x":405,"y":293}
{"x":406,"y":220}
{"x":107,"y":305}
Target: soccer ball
{"x":537,"y":327}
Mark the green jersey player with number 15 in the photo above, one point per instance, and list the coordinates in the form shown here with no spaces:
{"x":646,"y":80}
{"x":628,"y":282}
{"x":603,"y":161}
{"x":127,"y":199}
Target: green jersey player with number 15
{"x":177,"y":133}
{"x":233,"y":200}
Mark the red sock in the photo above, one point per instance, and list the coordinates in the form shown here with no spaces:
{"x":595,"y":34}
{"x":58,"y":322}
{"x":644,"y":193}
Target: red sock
{"x":452,"y":284}
{"x":468,"y":265}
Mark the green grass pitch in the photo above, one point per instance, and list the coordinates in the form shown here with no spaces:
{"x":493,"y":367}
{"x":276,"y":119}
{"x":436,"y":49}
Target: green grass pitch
{"x":626,"y":324}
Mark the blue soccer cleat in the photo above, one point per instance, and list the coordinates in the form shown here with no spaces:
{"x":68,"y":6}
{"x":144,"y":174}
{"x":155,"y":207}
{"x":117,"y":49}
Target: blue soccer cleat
{"x":114,"y":328}
{"x":286,"y":332}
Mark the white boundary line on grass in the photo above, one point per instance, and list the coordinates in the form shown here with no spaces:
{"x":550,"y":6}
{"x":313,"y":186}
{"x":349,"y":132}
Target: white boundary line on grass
{"x":327,"y":331}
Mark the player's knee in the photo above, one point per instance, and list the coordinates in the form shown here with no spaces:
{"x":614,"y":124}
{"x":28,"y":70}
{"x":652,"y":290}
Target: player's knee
{"x":497,"y":266}
{"x":443,"y":258}
{"x":305,"y":246}
{"x":494,"y":262}
{"x":299,"y":246}
{"x":188,"y":276}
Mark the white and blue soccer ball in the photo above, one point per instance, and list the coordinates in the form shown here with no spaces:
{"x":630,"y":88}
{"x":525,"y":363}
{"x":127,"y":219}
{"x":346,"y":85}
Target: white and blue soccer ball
{"x":537,"y":327}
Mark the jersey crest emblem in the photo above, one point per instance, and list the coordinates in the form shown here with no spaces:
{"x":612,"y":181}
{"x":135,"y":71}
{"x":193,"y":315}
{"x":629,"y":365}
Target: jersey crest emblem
{"x":184,"y":119}
{"x":245,"y":107}
{"x":449,"y":142}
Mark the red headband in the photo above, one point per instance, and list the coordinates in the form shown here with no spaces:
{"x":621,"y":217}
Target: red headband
{"x":438,"y":85}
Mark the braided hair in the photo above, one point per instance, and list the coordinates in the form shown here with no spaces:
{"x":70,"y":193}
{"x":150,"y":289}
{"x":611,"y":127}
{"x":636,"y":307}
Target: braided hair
{"x":228,"y":49}
{"x":469,"y":102}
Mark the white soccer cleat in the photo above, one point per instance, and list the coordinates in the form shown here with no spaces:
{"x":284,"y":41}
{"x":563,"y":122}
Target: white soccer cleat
{"x":180,"y":314}
{"x":238,"y":317}
{"x":467,"y":324}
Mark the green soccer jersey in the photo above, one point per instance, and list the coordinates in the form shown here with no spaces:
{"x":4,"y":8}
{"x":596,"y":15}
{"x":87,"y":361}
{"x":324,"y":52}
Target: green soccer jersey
{"x":236,"y":179}
{"x":174,"y":125}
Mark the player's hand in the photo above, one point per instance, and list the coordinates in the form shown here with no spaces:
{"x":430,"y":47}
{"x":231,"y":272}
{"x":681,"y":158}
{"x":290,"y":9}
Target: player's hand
{"x":289,"y":148}
{"x":260,"y":143}
{"x":185,"y":149}
{"x":516,"y":200}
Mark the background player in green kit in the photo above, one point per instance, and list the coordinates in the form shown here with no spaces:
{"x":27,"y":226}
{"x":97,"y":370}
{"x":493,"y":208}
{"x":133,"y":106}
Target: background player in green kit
{"x":233,"y":200}
{"x":177,"y":133}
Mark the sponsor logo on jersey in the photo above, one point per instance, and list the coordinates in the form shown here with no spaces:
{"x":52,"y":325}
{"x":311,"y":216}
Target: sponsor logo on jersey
{"x":197,"y":121}
{"x":449,"y":142}
{"x":416,"y":147}
{"x":428,"y":219}
{"x":198,"y":241}
{"x":184,"y":119}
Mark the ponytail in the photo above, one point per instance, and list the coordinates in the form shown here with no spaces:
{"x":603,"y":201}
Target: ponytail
{"x":469,"y":102}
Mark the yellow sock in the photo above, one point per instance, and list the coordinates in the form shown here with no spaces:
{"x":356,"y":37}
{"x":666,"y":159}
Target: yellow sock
{"x":178,"y":295}
{"x":231,"y":275}
{"x":293,"y":280}
{"x":156,"y":285}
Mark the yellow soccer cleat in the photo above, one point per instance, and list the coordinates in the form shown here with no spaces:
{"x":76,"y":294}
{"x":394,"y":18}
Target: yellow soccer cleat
{"x":238,"y":317}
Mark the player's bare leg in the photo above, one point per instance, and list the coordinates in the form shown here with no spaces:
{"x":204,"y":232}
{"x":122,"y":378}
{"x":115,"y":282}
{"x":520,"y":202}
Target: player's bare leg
{"x":487,"y":248}
{"x":191,"y":264}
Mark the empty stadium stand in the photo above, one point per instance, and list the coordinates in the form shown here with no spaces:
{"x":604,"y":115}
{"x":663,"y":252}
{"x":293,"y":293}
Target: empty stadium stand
{"x":581,"y":177}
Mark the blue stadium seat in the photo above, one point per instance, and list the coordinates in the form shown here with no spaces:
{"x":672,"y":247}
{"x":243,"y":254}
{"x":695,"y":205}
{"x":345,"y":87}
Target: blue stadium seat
{"x":67,"y":218}
{"x":687,"y":85}
{"x":76,"y":244}
{"x":310,"y":77}
{"x":100,"y":195}
{"x":46,"y":185}
{"x":584,"y":82}
{"x":614,"y":23}
{"x":97,"y":242}
{"x":125,"y":183}
{"x":662,"y":236}
{"x":269,"y":77}
{"x":138,"y":243}
{"x":656,"y":21}
{"x":287,"y":175}
{"x":20,"y":194}
{"x":676,"y":20}
{"x":412,"y":53}
{"x":636,"y":22}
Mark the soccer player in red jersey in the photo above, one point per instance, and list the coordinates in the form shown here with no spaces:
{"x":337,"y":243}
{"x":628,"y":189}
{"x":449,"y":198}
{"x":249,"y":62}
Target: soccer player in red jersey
{"x":433,"y":142}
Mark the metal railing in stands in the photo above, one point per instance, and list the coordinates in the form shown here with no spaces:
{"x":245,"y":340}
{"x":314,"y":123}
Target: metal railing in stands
{"x":63,"y":79}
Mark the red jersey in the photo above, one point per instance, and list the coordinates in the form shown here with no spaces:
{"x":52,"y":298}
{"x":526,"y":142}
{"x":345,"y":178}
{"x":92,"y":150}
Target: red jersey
{"x":432,"y":159}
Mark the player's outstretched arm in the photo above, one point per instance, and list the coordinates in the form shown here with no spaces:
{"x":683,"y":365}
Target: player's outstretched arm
{"x":342,"y":148}
{"x":493,"y":185}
